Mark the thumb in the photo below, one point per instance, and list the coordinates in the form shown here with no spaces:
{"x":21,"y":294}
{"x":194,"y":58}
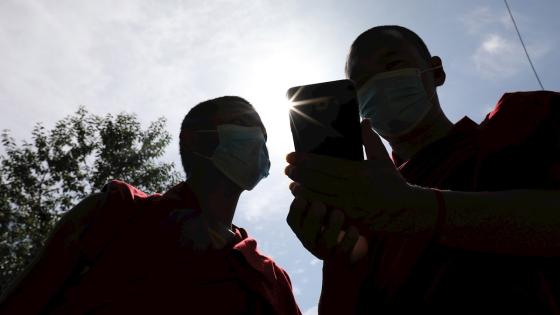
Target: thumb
{"x":375,"y":150}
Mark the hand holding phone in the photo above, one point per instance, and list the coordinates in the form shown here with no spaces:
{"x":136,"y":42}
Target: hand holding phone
{"x":324,"y":119}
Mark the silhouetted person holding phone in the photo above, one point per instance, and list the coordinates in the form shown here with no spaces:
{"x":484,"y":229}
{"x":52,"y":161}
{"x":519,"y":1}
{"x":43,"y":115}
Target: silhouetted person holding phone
{"x":465,"y":218}
{"x":123,"y":252}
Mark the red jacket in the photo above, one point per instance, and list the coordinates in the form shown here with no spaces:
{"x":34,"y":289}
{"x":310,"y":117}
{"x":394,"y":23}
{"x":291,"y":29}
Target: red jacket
{"x":134,"y":261}
{"x":517,"y":146}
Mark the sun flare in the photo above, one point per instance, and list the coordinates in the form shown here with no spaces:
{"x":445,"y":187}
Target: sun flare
{"x":267,"y":86}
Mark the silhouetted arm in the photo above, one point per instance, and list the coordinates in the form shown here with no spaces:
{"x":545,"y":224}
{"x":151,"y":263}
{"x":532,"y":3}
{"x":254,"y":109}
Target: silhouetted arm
{"x":36,"y":285}
{"x":515,"y":222}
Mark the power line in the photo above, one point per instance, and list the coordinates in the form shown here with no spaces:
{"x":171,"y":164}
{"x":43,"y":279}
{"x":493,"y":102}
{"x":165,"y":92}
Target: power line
{"x":523,"y":44}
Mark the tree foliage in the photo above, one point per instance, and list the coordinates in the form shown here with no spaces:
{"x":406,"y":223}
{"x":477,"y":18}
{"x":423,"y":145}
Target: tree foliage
{"x":43,"y":178}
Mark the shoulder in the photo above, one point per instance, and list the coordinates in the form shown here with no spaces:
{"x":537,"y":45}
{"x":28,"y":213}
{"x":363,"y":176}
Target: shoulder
{"x":121,"y":200}
{"x":519,"y":116}
{"x":123,"y":191}
{"x":114,"y":190}
{"x":81,"y":212}
{"x":524,"y":106}
{"x":85,"y":206}
{"x":76,"y":220}
{"x":115,"y":195}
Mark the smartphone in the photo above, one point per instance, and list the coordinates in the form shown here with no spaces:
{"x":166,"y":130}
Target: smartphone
{"x":325,"y":119}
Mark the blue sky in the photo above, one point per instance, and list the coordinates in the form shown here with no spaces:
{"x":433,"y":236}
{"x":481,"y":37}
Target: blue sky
{"x":159,"y":58}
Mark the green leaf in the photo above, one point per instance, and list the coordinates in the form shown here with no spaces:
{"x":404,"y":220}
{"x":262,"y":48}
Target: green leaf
{"x":43,"y":178}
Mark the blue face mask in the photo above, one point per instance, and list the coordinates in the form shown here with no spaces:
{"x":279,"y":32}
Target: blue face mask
{"x":241,"y":154}
{"x":395,"y":101}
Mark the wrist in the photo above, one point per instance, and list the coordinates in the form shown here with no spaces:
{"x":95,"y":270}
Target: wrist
{"x":442,"y":213}
{"x":428,"y":209}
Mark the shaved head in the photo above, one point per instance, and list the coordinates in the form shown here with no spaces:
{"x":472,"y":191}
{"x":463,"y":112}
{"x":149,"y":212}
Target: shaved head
{"x":364,"y":45}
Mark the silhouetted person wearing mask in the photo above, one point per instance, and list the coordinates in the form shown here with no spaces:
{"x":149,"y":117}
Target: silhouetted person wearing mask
{"x":123,"y":252}
{"x":464,"y":219}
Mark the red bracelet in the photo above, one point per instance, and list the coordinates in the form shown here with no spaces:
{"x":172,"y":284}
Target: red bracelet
{"x":442,"y":212}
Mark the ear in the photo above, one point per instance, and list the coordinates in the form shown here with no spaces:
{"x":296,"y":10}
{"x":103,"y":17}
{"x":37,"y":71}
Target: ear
{"x":439,"y":73}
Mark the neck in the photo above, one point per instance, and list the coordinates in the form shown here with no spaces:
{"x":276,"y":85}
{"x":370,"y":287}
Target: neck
{"x":217,"y":197}
{"x":433,"y":127}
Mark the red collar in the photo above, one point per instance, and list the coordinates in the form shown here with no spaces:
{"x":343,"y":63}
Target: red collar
{"x":182,"y":196}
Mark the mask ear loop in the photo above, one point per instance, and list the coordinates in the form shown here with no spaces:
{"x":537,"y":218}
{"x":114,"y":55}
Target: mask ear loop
{"x":430,"y":69}
{"x":207,"y":131}
{"x":432,"y":97}
{"x":204,"y":131}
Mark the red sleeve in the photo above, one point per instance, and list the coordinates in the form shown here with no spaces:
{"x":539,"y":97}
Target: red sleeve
{"x":531,"y":120}
{"x":276,"y":291}
{"x":520,"y":115}
{"x":109,"y":219}
{"x":54,"y":263}
{"x":290,"y":299}
{"x":69,"y":244}
{"x":263,"y":276}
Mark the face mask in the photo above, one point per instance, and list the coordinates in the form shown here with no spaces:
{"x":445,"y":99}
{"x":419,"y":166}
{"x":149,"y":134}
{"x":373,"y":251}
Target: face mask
{"x":395,"y":101}
{"x":241,"y":154}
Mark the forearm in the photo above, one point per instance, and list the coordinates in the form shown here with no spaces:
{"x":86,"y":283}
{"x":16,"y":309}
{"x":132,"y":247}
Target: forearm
{"x":515,"y":222}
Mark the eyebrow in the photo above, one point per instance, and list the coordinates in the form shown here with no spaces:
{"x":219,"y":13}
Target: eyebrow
{"x":383,"y":58}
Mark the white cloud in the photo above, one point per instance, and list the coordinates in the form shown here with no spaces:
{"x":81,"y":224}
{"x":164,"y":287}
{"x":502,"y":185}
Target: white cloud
{"x":495,"y":44}
{"x":499,"y":57}
{"x":312,"y":311}
{"x":268,"y":200}
{"x":299,"y":271}
{"x":499,"y":53}
{"x":146,"y":57}
{"x":481,"y":18}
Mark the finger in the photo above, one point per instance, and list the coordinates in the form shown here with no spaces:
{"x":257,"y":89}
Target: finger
{"x":336,"y":167}
{"x":317,"y":181}
{"x":375,"y":150}
{"x":296,"y":190}
{"x":344,"y":249}
{"x":328,"y":239}
{"x":368,"y":217}
{"x":293,"y":156}
{"x":312,"y":223}
{"x":295,"y":216}
{"x":299,"y":190}
{"x":291,"y":186}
